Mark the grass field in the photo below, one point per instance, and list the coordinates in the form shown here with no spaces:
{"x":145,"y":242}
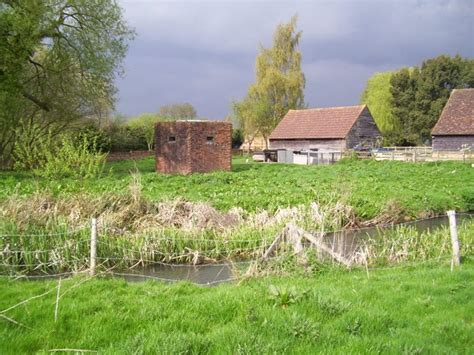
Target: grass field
{"x":422,"y":309}
{"x":368,"y":186}
{"x":426,"y":309}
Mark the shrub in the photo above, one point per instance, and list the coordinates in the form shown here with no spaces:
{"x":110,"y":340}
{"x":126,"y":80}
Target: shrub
{"x":71,"y":157}
{"x":98,"y":140}
{"x":78,"y":159}
{"x":125,"y":139}
{"x":237,"y":138}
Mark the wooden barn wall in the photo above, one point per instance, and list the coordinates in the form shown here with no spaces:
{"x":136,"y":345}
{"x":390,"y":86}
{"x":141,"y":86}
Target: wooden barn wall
{"x":452,"y":142}
{"x":364,"y":132}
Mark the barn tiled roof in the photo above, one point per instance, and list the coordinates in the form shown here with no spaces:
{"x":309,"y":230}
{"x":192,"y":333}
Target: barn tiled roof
{"x":314,"y":123}
{"x":457,"y":117}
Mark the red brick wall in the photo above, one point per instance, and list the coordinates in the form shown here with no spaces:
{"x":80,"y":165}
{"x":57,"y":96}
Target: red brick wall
{"x":191,"y":151}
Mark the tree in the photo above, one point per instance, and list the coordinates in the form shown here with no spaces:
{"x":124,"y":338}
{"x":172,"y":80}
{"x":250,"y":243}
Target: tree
{"x":178,"y":111}
{"x":378,"y":98}
{"x":59,"y":59}
{"x":419,"y":94}
{"x":403,"y":89}
{"x":146,"y":123}
{"x":279,"y":83}
{"x":435,"y":80}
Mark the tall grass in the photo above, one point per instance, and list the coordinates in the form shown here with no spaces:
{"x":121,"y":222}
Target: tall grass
{"x":70,"y":251}
{"x":134,"y":229}
{"x":405,"y":244}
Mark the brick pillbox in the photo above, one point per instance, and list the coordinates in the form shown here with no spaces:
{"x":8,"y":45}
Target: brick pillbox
{"x":184,"y":147}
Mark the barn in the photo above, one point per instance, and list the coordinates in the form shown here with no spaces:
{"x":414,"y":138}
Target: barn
{"x":455,"y":127}
{"x":185,"y":147}
{"x":326,"y":129}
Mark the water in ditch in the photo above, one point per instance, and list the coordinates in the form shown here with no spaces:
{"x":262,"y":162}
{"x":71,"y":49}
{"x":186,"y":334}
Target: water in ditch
{"x":344,"y":243}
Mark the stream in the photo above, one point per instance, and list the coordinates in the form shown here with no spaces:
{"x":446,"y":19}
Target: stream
{"x":344,"y":242}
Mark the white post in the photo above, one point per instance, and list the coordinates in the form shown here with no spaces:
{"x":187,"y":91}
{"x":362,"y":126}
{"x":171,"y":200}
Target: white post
{"x":456,"y":259}
{"x":93,"y":259}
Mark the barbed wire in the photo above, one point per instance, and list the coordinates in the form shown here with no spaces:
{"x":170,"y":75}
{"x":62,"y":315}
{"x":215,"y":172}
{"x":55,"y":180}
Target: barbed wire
{"x":26,"y":251}
{"x":391,"y":225}
{"x":359,"y":267}
{"x":105,"y":228}
{"x":23,"y":276}
{"x":186,"y":252}
{"x":147,"y":263}
{"x":69,"y":232}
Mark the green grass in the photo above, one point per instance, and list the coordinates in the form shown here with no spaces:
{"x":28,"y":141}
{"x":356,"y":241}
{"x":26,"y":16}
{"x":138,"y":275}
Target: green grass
{"x":368,"y":186}
{"x":408,"y":310}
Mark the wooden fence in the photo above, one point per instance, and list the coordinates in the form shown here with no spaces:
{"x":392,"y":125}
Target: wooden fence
{"x":423,"y":154}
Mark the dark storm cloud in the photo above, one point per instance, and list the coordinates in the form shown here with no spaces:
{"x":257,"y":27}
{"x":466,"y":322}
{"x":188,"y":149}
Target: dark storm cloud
{"x":204,"y":52}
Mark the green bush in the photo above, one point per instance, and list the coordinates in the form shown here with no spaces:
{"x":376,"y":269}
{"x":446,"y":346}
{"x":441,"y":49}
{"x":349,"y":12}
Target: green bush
{"x":98,"y":139}
{"x":237,"y":138}
{"x":73,"y":159}
{"x":30,"y":148}
{"x":125,"y":139}
{"x":70,"y":157}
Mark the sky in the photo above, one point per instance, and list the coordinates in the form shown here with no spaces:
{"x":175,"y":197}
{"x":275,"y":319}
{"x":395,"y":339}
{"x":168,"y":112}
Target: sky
{"x":203,"y":52}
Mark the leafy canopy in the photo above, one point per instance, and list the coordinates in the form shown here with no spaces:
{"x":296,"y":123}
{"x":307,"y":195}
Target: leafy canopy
{"x":58,"y":62}
{"x":378,"y":98}
{"x":279,"y":83}
{"x":146,"y":124}
{"x":406,"y":104}
{"x":178,"y":111}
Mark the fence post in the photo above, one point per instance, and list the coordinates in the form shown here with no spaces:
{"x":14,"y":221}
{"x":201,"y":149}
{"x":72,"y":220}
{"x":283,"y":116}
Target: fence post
{"x":93,"y":259}
{"x":456,"y":259}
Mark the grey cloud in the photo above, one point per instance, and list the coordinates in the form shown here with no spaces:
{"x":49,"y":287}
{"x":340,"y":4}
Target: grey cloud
{"x":204,"y":52}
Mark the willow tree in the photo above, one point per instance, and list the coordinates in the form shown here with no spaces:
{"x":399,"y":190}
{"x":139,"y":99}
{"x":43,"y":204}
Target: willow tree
{"x":279,"y":83}
{"x":58,"y":59}
{"x":378,"y":97}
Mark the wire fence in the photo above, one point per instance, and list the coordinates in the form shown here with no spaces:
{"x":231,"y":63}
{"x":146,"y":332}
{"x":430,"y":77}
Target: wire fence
{"x":66,"y":253}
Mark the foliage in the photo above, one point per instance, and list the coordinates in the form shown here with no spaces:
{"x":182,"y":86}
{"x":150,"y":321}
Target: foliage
{"x":419,"y":95}
{"x":405,"y":243}
{"x":237,"y":137}
{"x":98,"y":139}
{"x":406,"y":104}
{"x":421,"y":189}
{"x":59,"y":61}
{"x":402,"y":310}
{"x":279,"y":83}
{"x":31,"y":146}
{"x":146,"y":123}
{"x":178,"y":111}
{"x":378,"y":98}
{"x":284,"y":297}
{"x":123,"y":137}
{"x":70,"y":157}
{"x":403,"y":89}
{"x":73,"y":158}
